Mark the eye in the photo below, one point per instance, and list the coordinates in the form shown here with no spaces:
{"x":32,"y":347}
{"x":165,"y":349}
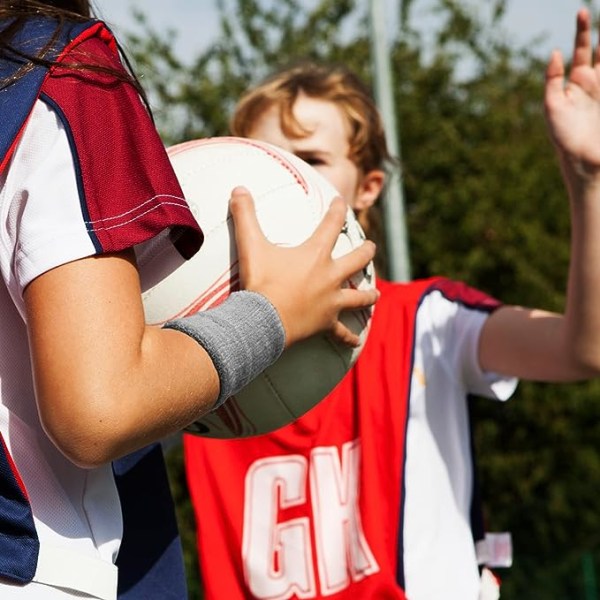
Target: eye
{"x":313,"y":161}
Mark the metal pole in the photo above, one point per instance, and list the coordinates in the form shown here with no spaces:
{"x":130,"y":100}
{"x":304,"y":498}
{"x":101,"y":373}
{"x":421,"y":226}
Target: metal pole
{"x":393,"y":205}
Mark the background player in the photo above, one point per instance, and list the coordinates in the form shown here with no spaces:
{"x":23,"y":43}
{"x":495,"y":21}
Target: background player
{"x":369,"y":494}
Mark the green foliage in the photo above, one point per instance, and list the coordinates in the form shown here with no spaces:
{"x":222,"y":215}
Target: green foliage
{"x":541,"y":479}
{"x":485,"y":204}
{"x":196,"y":99}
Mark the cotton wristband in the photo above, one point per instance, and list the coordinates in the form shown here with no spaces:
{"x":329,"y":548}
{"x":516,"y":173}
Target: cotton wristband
{"x":243,"y":336}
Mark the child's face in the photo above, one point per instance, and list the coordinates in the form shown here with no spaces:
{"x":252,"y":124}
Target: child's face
{"x":326,"y":147}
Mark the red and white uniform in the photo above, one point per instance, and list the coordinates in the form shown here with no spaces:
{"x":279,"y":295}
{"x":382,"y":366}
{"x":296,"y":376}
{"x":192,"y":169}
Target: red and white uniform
{"x":368,"y":495}
{"x":87,"y":174}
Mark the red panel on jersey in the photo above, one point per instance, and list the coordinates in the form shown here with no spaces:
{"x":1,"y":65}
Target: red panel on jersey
{"x":128,"y":188}
{"x":354,"y":421}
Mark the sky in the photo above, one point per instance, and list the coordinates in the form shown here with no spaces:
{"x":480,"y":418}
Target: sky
{"x":196,"y":21}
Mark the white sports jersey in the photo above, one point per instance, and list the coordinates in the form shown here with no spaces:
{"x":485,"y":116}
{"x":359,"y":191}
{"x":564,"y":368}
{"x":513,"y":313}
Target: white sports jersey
{"x":439,"y":554}
{"x":40,"y":228}
{"x":70,"y":189}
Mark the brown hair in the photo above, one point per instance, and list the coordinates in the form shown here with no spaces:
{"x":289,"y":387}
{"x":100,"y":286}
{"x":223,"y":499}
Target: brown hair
{"x":336,"y":84}
{"x":73,"y":9}
{"x":14,"y":15}
{"x":368,"y":148}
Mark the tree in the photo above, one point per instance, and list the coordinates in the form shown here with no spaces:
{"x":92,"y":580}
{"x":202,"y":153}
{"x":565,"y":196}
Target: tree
{"x":485,"y":204}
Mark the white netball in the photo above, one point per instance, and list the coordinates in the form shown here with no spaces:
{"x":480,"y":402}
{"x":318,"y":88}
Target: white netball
{"x":291,"y":198}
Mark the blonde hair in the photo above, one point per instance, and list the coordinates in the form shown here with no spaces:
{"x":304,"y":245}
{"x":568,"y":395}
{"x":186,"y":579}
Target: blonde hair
{"x":336,"y":84}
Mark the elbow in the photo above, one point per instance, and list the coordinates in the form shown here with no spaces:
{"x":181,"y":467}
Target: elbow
{"x":588,"y":367}
{"x":84,"y":453}
{"x":585,"y":361}
{"x":89,"y":435}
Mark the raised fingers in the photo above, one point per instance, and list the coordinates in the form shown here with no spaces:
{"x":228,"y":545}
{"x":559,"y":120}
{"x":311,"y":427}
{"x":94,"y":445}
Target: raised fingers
{"x":555,"y":73}
{"x":582,"y":51}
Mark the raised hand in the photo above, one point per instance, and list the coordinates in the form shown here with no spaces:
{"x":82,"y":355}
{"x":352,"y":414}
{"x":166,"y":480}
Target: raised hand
{"x":304,"y":283}
{"x":573,"y":106}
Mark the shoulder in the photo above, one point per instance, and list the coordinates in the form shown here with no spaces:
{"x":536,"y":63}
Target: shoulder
{"x":45,"y":37}
{"x":89,"y":52}
{"x":23,"y":82}
{"x":453,"y":291}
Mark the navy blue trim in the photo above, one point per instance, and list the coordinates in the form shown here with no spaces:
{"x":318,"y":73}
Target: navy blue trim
{"x":16,"y":103}
{"x":18,"y":97}
{"x":486,"y":303}
{"x":150,"y":560}
{"x":476,"y":512}
{"x":78,"y":174}
{"x":400,"y":575}
{"x":19,"y":544}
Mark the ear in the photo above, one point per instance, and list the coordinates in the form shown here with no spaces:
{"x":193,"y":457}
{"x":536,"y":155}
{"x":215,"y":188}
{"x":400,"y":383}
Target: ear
{"x":369,"y":189}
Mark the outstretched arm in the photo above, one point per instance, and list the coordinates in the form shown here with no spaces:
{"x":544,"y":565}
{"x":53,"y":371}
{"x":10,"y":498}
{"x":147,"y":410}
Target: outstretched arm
{"x":535,"y":344}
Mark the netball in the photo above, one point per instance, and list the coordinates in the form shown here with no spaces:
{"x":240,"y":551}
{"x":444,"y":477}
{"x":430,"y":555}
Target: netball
{"x":291,"y":198}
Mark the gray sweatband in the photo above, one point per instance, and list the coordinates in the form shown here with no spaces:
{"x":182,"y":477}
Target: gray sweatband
{"x":243,"y":336}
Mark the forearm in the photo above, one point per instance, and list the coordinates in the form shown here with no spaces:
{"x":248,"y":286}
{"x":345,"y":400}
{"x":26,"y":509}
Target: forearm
{"x":132,"y":401}
{"x":539,"y":345}
{"x":129,"y":384}
{"x":531,"y":344}
{"x":582,"y":310}
{"x":572,"y":108}
{"x":105,"y":382}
